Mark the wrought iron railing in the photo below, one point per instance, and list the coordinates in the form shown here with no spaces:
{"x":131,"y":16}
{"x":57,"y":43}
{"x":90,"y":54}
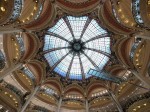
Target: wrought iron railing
{"x":13,"y":89}
{"x":21,"y":45}
{"x":126,"y":104}
{"x":40,"y":109}
{"x":49,"y":92}
{"x":16,"y":11}
{"x":39,"y":12}
{"x":132,"y":53}
{"x":70,"y":99}
{"x":136,"y":12}
{"x":2,"y":60}
{"x":114,"y":11}
{"x":106,"y":95}
{"x":29,"y":74}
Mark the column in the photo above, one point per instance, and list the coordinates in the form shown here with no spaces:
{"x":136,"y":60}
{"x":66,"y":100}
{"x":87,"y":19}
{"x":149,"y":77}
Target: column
{"x":59,"y":104}
{"x":115,"y":100}
{"x":86,"y":105}
{"x":30,"y":98}
{"x":143,"y":79}
{"x":10,"y":70}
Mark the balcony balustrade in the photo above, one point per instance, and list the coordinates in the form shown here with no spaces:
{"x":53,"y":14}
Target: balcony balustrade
{"x":131,"y":100}
{"x":2,"y":60}
{"x":134,"y":47}
{"x":21,"y":44}
{"x":13,"y":89}
{"x":50,"y":92}
{"x":40,"y":109}
{"x":28,"y":73}
{"x":70,"y":99}
{"x":39,"y":12}
{"x":136,"y":12}
{"x":18,"y":4}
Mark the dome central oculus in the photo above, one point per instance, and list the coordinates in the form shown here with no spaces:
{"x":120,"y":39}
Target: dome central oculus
{"x":77,"y":46}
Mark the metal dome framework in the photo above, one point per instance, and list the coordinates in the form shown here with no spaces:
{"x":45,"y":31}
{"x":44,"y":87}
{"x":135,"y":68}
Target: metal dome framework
{"x":74,"y":45}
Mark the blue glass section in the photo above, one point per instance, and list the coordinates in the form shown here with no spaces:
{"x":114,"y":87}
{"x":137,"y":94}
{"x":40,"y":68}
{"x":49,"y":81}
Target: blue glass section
{"x":105,"y":76}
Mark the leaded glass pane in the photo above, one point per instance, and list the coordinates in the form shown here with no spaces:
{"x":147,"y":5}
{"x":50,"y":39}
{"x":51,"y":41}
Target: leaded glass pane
{"x":76,"y":46}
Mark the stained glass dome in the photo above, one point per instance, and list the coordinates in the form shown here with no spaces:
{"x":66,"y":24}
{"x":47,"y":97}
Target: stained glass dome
{"x":74,"y":45}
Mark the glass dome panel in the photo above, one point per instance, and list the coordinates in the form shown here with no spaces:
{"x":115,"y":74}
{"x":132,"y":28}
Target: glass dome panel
{"x":61,"y":52}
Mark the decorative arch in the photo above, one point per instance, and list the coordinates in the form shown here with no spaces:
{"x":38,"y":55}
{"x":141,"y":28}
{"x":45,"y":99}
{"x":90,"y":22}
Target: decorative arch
{"x":54,"y":82}
{"x":38,"y":69}
{"x":78,"y":8}
{"x":74,"y":87}
{"x":93,"y":86}
{"x":46,"y":18}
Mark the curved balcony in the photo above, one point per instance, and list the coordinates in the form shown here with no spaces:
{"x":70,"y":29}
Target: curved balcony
{"x":16,"y":11}
{"x":33,"y":107}
{"x":134,"y":47}
{"x":115,"y":15}
{"x":3,"y":108}
{"x":136,"y":12}
{"x":2,"y":60}
{"x":95,"y":97}
{"x":114,"y":12}
{"x":41,"y":109}
{"x":29,"y":74}
{"x":14,"y":90}
{"x":70,"y":99}
{"x":21,"y":44}
{"x":50,"y":92}
{"x":39,"y":12}
{"x":126,"y":104}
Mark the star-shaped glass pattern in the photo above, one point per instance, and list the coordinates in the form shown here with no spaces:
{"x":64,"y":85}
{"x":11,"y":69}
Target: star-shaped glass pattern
{"x":74,"y":45}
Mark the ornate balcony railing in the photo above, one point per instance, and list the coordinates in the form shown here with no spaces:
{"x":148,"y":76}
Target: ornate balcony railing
{"x":28,"y":73}
{"x":100,"y":96}
{"x":13,"y":89}
{"x":3,"y":109}
{"x":40,"y":109}
{"x":70,"y":99}
{"x":50,"y":92}
{"x":126,"y":104}
{"x":134,"y":47}
{"x":16,"y":11}
{"x":21,"y":44}
{"x":136,"y":12}
{"x":39,"y":12}
{"x":2,"y":60}
{"x":114,"y":11}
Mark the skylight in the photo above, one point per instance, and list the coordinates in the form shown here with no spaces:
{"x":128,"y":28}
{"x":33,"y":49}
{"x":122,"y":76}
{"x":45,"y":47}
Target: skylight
{"x":74,"y":45}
